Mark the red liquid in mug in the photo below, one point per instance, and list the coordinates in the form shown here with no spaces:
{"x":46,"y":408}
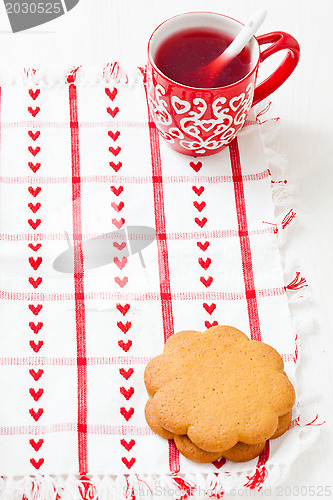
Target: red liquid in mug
{"x":180,"y":55}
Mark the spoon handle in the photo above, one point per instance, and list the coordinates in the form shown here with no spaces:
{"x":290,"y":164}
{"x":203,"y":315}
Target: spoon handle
{"x":245,"y":35}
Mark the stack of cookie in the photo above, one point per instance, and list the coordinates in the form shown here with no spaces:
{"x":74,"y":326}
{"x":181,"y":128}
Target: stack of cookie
{"x":217,"y":393}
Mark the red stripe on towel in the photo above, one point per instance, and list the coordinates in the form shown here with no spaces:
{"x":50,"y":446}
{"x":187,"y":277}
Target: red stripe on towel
{"x":244,"y":239}
{"x":79,"y":285}
{"x":163,"y":255}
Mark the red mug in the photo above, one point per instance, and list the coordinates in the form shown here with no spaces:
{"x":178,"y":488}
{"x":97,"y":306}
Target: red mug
{"x":203,"y":121}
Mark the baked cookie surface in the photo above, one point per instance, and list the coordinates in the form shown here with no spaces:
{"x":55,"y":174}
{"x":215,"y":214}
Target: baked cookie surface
{"x":217,"y":391}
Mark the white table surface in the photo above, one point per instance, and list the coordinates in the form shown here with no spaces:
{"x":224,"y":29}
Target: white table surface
{"x":96,"y":31}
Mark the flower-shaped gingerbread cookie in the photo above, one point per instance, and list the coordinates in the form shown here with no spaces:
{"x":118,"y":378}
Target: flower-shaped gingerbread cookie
{"x":217,"y":393}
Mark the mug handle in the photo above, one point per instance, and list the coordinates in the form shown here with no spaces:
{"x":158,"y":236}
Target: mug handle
{"x":280,"y":41}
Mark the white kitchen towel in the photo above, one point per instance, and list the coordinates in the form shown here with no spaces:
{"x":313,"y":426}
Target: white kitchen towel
{"x":110,"y":242}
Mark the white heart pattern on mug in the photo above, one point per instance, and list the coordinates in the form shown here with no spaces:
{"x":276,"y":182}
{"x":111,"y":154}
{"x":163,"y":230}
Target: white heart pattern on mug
{"x":180,"y":106}
{"x":207,"y":125}
{"x":229,"y":116}
{"x":237,"y":101}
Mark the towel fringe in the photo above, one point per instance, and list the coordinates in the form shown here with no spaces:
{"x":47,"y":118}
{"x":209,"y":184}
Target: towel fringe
{"x":297,"y":291}
{"x":107,"y":74}
{"x":132,"y":487}
{"x":257,"y":480}
{"x":259,"y":476}
{"x":186,"y":489}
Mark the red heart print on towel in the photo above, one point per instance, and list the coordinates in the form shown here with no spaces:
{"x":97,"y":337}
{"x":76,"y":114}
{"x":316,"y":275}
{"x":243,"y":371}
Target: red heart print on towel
{"x":112,"y":94}
{"x":218,"y":463}
{"x":35,"y":309}
{"x":35,"y":328}
{"x":209,"y":325}
{"x":123,"y":309}
{"x":203,"y":246}
{"x":37,"y":464}
{"x":34,"y":208}
{"x":36,"y":445}
{"x":34,"y":167}
{"x":33,"y":112}
{"x":34,"y":223}
{"x":115,"y":166}
{"x":126,"y":373}
{"x":120,"y":263}
{"x":36,"y":395}
{"x":210,"y":309}
{"x":34,"y":151}
{"x":118,"y":223}
{"x":121,"y":282}
{"x":196,"y":166}
{"x":114,"y":135}
{"x":35,"y":263}
{"x":36,"y":375}
{"x":36,"y":247}
{"x":125,"y":345}
{"x":34,"y":94}
{"x":34,"y":192}
{"x":127,"y":393}
{"x":36,"y":414}
{"x":124,"y":328}
{"x":115,"y":151}
{"x":117,"y":191}
{"x":112,"y":112}
{"x":35,"y":282}
{"x":128,"y":463}
{"x":201,"y":222}
{"x":199,"y":206}
{"x":36,"y":346}
{"x":126,"y":445}
{"x":34,"y":135}
{"x":117,"y":207}
{"x":119,"y":246}
{"x":205,"y":263}
{"x":198,"y":190}
{"x":127,"y":414}
{"x":207,"y":282}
